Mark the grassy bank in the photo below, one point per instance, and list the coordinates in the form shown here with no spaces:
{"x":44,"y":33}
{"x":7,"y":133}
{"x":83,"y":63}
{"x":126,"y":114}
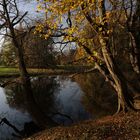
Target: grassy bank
{"x":9,"y":71}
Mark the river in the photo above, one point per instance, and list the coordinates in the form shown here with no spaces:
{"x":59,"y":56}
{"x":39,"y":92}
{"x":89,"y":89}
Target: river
{"x":65,"y":100}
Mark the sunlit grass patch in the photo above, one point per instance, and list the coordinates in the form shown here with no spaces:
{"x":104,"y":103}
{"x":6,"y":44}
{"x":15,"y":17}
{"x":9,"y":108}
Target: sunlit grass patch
{"x":58,"y":70}
{"x":5,"y":70}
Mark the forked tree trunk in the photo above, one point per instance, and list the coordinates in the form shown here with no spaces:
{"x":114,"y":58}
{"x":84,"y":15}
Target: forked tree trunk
{"x":125,"y":101}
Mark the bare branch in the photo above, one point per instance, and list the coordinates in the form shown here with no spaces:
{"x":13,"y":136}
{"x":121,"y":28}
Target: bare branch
{"x":20,"y":19}
{"x":69,"y":22}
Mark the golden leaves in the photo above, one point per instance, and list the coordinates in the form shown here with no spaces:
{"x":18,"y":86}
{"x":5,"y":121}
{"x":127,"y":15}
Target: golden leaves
{"x":57,"y":14}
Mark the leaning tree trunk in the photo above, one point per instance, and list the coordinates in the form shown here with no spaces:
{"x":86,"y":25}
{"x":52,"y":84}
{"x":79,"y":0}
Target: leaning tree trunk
{"x":125,"y":101}
{"x":23,"y":72}
{"x":22,"y":68}
{"x":41,"y":119}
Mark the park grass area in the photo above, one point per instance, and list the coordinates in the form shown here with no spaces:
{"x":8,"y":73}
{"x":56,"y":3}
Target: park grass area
{"x":6,"y":71}
{"x":11,"y":71}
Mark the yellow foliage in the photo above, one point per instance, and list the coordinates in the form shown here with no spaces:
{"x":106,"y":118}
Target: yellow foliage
{"x":57,"y":13}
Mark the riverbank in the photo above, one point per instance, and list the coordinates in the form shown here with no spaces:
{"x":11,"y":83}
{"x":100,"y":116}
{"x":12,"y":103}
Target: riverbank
{"x":6,"y":72}
{"x":118,"y":127}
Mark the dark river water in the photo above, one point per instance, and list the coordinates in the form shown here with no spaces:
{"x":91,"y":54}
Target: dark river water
{"x":65,"y":100}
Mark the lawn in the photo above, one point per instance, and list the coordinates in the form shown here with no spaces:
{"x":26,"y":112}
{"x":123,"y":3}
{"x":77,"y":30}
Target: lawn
{"x":9,"y":71}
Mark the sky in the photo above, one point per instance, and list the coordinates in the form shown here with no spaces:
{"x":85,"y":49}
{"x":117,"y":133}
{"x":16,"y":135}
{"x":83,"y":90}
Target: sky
{"x":31,"y":7}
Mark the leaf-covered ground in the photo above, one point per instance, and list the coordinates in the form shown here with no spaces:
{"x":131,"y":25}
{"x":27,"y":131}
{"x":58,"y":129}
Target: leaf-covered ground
{"x":118,"y":127}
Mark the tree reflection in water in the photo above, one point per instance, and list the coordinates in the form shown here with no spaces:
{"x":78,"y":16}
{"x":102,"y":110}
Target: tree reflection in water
{"x":40,"y":105}
{"x":99,"y":98}
{"x":60,"y":99}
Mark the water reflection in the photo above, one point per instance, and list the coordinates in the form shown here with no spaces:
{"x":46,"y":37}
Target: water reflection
{"x":40,"y":103}
{"x":17,"y":105}
{"x":16,"y":117}
{"x":69,"y":102}
{"x":43,"y":94}
{"x":99,"y":98}
{"x":55,"y":99}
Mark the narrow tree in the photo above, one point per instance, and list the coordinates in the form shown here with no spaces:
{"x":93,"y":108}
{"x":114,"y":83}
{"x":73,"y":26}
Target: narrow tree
{"x":10,"y":18}
{"x":130,"y":10}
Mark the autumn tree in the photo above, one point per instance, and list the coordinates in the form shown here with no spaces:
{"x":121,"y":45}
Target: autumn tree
{"x":67,"y":19}
{"x":10,"y":17}
{"x":38,"y":52}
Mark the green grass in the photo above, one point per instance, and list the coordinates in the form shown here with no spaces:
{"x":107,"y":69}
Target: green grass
{"x":9,"y":71}
{"x":5,"y":70}
{"x":15,"y":71}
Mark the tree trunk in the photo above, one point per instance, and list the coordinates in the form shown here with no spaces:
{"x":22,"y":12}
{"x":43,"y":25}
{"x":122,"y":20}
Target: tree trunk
{"x":41,"y":119}
{"x":125,"y":101}
{"x":22,"y":68}
{"x":134,"y":54}
{"x":134,"y":30}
